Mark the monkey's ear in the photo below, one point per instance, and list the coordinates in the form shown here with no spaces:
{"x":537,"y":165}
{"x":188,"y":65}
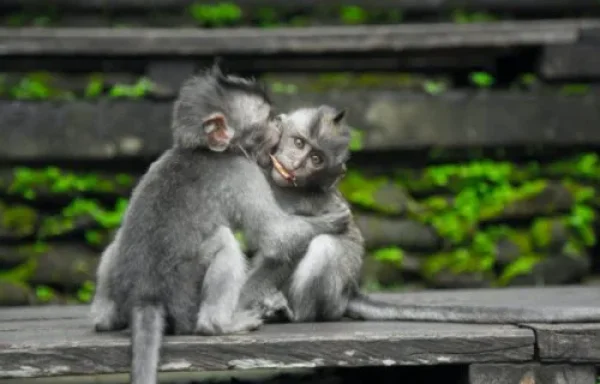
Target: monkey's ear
{"x":218,"y":133}
{"x":339,"y":116}
{"x":215,"y":121}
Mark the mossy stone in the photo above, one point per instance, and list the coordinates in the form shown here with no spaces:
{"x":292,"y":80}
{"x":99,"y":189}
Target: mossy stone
{"x":13,"y":293}
{"x":549,"y":233}
{"x":17,"y":221}
{"x":12,"y":256}
{"x":66,"y":267}
{"x":378,"y":194}
{"x":540,"y":198}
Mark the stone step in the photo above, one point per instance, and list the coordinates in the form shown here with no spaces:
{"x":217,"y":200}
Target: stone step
{"x":286,"y":41}
{"x":384,"y":120}
{"x":405,"y":5}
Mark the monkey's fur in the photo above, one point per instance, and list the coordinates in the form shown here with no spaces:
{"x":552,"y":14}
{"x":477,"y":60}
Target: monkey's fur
{"x":325,"y":284}
{"x":161,"y":267}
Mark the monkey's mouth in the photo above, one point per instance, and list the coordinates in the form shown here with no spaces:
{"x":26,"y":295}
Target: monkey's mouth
{"x":281,"y":169}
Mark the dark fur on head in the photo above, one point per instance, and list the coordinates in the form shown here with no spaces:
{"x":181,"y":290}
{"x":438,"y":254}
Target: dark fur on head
{"x":245,"y":104}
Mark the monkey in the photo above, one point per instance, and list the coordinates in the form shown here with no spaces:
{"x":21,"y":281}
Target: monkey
{"x":307,"y":163}
{"x":161,"y":272}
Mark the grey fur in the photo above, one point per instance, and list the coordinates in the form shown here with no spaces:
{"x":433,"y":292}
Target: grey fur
{"x":162,"y":260}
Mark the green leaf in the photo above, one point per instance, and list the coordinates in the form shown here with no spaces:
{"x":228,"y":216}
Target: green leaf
{"x":482,"y":79}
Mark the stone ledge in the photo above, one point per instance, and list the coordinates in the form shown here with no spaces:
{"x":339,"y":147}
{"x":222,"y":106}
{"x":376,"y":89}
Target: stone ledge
{"x":310,"y":40}
{"x":389,"y":120}
{"x":407,"y":5}
{"x":343,"y":344}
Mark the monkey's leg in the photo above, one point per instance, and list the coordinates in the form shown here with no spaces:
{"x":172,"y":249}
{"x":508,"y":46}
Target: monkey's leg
{"x":221,"y":287}
{"x":319,"y":287}
{"x":104,"y":312}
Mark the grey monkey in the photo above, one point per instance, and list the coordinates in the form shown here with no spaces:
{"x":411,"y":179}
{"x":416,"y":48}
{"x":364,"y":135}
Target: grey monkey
{"x":162,"y":269}
{"x":306,"y":164}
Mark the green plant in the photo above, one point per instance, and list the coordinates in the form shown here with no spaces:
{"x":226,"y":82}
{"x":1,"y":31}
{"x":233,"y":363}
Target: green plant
{"x":216,"y":15}
{"x":522,"y":266}
{"x":267,"y":17}
{"x":93,"y":237}
{"x":38,"y":86}
{"x":575,"y":89}
{"x":27,"y":181}
{"x":107,"y":218}
{"x":433,"y":87}
{"x":391,"y":255}
{"x":351,"y":14}
{"x":95,"y":87}
{"x":460,"y":16}
{"x":581,"y":221}
{"x":44,"y":293}
{"x":135,"y":91}
{"x":527,"y":79}
{"x":585,"y":166}
{"x":356,"y":139}
{"x":86,"y":292}
{"x":20,"y":19}
{"x":482,"y":79}
{"x":279,"y":87}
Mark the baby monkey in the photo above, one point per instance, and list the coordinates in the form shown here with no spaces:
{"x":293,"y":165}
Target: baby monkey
{"x":162,"y":269}
{"x":306,"y":165}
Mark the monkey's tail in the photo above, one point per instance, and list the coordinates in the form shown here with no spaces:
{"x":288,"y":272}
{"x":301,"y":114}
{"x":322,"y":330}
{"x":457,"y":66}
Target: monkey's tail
{"x":362,"y":307}
{"x":147,"y":327}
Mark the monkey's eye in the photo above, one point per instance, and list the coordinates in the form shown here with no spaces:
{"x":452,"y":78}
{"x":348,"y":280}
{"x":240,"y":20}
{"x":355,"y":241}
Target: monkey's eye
{"x":299,"y":143}
{"x":316,"y":159}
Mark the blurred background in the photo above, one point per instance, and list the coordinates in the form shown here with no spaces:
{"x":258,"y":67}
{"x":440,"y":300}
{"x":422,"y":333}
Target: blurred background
{"x":475,"y":127}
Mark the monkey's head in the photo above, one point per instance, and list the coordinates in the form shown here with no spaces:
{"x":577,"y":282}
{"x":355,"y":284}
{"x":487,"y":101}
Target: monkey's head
{"x":221,"y":112}
{"x":313,"y":148}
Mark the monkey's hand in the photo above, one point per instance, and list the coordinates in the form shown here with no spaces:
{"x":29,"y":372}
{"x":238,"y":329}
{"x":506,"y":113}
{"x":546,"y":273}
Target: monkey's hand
{"x":337,"y":219}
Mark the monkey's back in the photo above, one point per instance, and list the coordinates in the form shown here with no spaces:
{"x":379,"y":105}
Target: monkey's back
{"x":183,"y":197}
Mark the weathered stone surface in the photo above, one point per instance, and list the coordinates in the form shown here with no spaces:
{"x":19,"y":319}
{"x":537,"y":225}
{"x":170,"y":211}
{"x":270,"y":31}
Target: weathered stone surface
{"x":389,"y":120}
{"x":406,"y":5}
{"x":11,"y":256}
{"x":570,"y":61}
{"x":66,"y":266}
{"x":102,"y":130}
{"x":315,"y":40}
{"x":531,"y":374}
{"x":447,"y":279}
{"x":13,"y":293}
{"x":406,"y":234}
{"x":169,"y":75}
{"x":299,"y":5}
{"x":555,"y":270}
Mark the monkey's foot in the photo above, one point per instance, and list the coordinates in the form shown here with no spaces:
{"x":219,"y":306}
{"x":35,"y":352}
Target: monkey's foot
{"x":105,"y":316}
{"x":275,"y":308}
{"x":210,"y":325}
